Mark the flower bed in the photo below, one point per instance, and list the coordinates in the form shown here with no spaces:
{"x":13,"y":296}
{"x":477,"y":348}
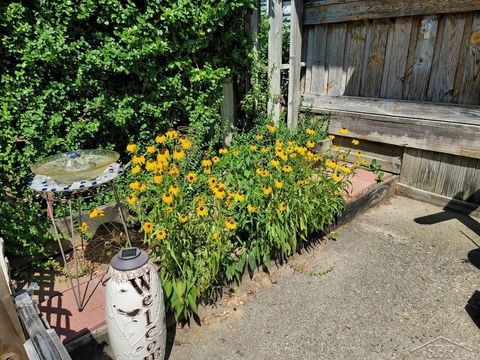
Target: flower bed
{"x":206,"y":216}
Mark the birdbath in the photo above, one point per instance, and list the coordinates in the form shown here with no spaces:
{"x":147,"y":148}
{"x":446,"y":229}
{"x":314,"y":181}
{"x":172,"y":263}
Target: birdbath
{"x":76,"y":175}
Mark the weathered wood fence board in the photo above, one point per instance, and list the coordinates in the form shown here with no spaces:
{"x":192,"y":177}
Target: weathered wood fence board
{"x":322,"y":12}
{"x":275,"y":19}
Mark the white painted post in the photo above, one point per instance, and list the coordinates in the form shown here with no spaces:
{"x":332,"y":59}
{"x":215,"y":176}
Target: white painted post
{"x":275,"y":20}
{"x":295,"y":64}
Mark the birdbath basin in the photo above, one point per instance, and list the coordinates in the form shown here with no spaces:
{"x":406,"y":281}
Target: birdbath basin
{"x":75,"y":165}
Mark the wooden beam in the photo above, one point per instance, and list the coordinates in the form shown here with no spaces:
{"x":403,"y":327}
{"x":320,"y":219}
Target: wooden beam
{"x":295,"y":67}
{"x":322,"y":12}
{"x":446,"y":202}
{"x":275,"y":20}
{"x":369,"y":120}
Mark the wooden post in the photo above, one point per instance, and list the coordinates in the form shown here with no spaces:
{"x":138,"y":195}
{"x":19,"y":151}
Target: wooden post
{"x":252,"y":25}
{"x":11,"y":334}
{"x":295,"y":64}
{"x":275,"y":20}
{"x":228,"y":110}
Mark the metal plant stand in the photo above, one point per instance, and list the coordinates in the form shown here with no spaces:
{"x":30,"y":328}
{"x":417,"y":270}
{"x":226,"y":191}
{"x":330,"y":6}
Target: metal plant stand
{"x":68,"y":197}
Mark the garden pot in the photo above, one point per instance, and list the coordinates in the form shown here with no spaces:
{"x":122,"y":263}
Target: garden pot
{"x":134,"y":307}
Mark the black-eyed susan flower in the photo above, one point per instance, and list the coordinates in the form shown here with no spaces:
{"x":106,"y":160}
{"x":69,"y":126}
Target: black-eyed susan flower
{"x":171,"y":134}
{"x":161,"y":234}
{"x":287,"y":169}
{"x":267,"y":190}
{"x":207,"y":171}
{"x":230,"y":224}
{"x":134,"y":185}
{"x":206,"y":162}
{"x":148,"y":227}
{"x":275,"y":163}
{"x":202,"y":211}
{"x":220,"y":194}
{"x":131,"y":147}
{"x":136,"y":169}
{"x":278,"y":143}
{"x":173,"y":189}
{"x":251,"y":208}
{"x":178,"y":154}
{"x":344,"y":131}
{"x":183,"y":218}
{"x":151,"y":165}
{"x":358,"y":154}
{"x":216,"y":235}
{"x":253,"y":147}
{"x":191,"y":177}
{"x":83,"y":227}
{"x":236,"y":152}
{"x":169,"y":209}
{"x":174,"y":171}
{"x":278,"y":184}
{"x":336,"y":177}
{"x":239,"y":197}
{"x":223,"y":151}
{"x":160,"y":139}
{"x":167,"y":198}
{"x":131,"y":199}
{"x":259,"y":136}
{"x":215,"y":159}
{"x":310,"y":131}
{"x":355,"y":142}
{"x":364,"y":162}
{"x":151,"y":149}
{"x":282,"y":207}
{"x":158,"y":178}
{"x":96,"y":213}
{"x":356,"y":163}
{"x":212,"y":181}
{"x":310,"y":144}
{"x":271,"y":128}
{"x":138,"y":159}
{"x":341,"y":157}
{"x":265,"y":149}
{"x":142,"y":187}
{"x":185,"y":143}
{"x":163,"y":156}
{"x":346,"y":169}
{"x":331,"y":137}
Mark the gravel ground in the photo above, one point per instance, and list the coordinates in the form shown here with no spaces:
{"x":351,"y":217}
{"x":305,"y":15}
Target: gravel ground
{"x":395,"y":284}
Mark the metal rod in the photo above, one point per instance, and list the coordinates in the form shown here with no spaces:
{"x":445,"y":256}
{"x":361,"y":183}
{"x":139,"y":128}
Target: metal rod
{"x":75,"y":256}
{"x":122,"y":216}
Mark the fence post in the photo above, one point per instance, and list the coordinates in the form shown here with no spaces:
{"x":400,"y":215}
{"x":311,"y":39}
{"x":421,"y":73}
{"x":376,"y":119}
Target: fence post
{"x":294,"y":64}
{"x":275,"y":20}
{"x":228,"y":110}
{"x":252,"y":25}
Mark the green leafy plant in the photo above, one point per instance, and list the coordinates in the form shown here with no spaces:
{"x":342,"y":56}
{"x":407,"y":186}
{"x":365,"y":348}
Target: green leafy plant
{"x":376,"y":168}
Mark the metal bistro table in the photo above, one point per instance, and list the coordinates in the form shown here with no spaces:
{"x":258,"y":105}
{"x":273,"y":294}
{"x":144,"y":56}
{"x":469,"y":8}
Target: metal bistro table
{"x":65,"y":195}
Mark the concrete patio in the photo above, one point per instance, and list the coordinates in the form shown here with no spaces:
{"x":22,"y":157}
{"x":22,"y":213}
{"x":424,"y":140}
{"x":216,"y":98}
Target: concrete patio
{"x":396,"y":283}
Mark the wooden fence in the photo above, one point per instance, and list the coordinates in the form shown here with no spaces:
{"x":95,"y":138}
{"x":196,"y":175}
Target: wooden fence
{"x":403,"y":76}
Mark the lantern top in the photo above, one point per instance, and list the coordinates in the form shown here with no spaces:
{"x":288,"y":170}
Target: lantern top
{"x":129,"y":259}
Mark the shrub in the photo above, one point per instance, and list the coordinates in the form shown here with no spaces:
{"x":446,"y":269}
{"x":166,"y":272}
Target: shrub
{"x":88,"y":74}
{"x":247,"y":204}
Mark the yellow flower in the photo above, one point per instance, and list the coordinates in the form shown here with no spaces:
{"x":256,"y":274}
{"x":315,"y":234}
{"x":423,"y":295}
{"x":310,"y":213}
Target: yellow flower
{"x":356,"y":163}
{"x":336,"y":177}
{"x":163,"y":156}
{"x":215,"y":159}
{"x":259,"y":136}
{"x":358,"y":154}
{"x":364,"y":162}
{"x":171,"y":134}
{"x":267,"y":190}
{"x":202,"y":211}
{"x":148,"y":227}
{"x":344,"y":131}
{"x":183,"y":218}
{"x":330,"y":164}
{"x":265,"y":149}
{"x":236,"y":152}
{"x":178,"y":155}
{"x":207,"y":171}
{"x":185,"y":143}
{"x":278,"y":143}
{"x":131,"y":147}
{"x":161,"y":234}
{"x":251,"y":208}
{"x":337,"y":148}
{"x":341,"y":157}
{"x":253,"y":147}
{"x":230,"y":224}
{"x":275,"y":163}
{"x":174,"y":190}
{"x":310,"y":144}
{"x":138,"y":159}
{"x":282,"y":155}
{"x":287,"y":168}
{"x":142,"y":187}
{"x":151,"y":165}
{"x":169,"y":210}
{"x":216,"y":235}
{"x":174,"y":171}
{"x":310,"y":131}
{"x":131,"y":199}
{"x":278,"y":184}
{"x":271,"y":128}
{"x":262,"y":172}
{"x":96,"y":213}
{"x":346,"y":169}
{"x":223,"y":151}
{"x":355,"y":142}
{"x":160,"y":139}
{"x":282,"y":207}
{"x":167,"y":198}
{"x":239,"y":197}
{"x":151,"y":149}
{"x":158,"y":178}
{"x":220,"y":194}
{"x":212,"y":181}
{"x":206,"y":162}
{"x":331,"y":137}
{"x":134,"y":185}
{"x":84,"y":227}
{"x":301,"y":183}
{"x":191,"y":177}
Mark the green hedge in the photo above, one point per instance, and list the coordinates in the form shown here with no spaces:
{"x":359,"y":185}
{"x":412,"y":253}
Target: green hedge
{"x":87,"y":74}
